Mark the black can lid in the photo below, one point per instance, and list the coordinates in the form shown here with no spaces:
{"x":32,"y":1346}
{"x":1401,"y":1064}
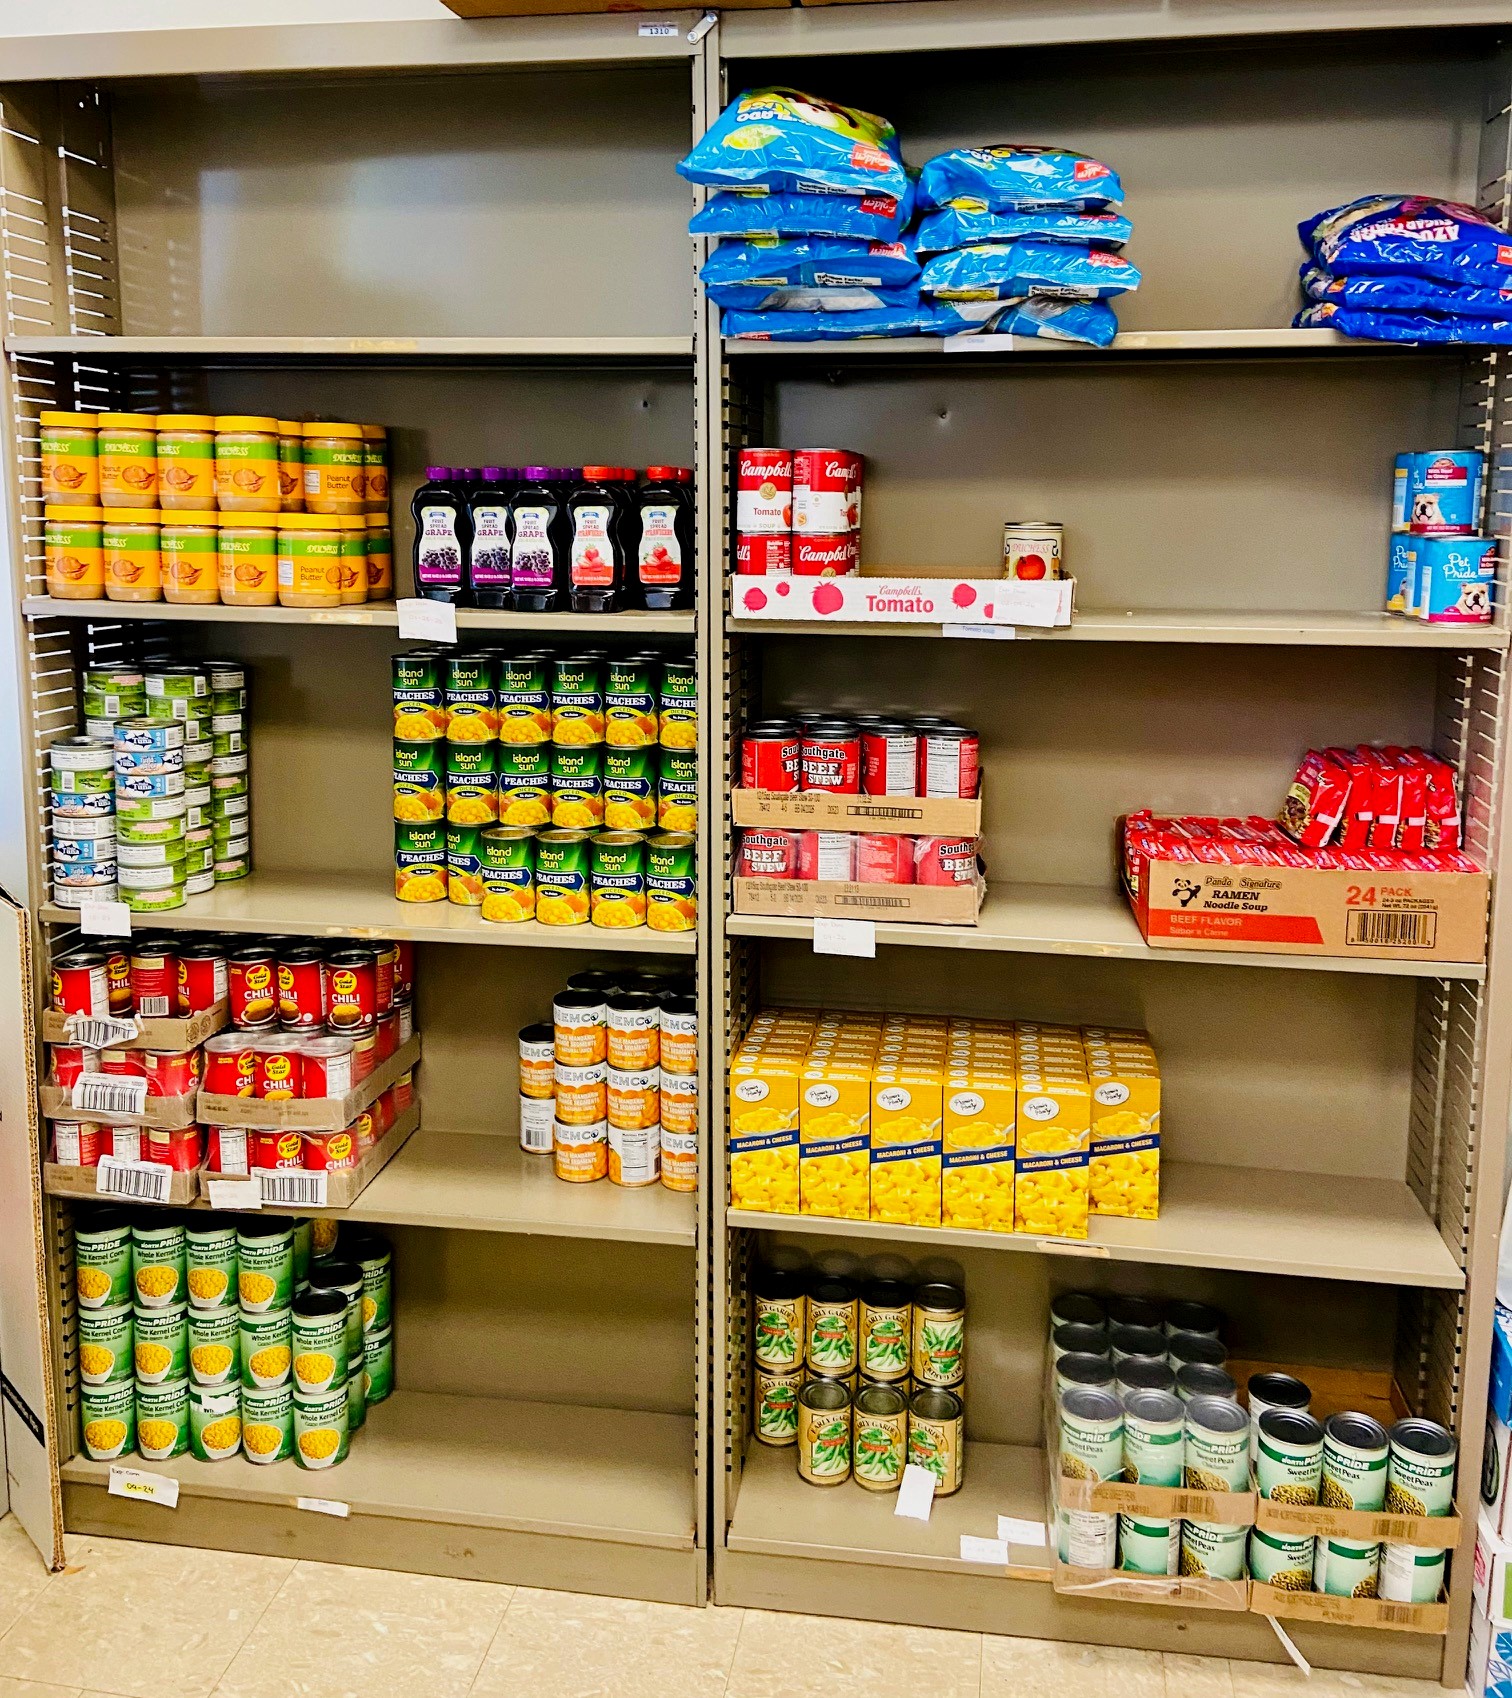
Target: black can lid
{"x":196,"y":949}
{"x":1183,"y":1315}
{"x":1079,"y":1306}
{"x":1424,"y":1438}
{"x":1080,"y":1369}
{"x":1132,"y":1312}
{"x":82,"y":958}
{"x":833,"y":1291}
{"x":630,"y":1001}
{"x":1145,"y":1373}
{"x":352,"y":955}
{"x":1138,"y":1341}
{"x":781,"y":1284}
{"x":579,"y":998}
{"x":771,"y":727}
{"x":1358,"y":1431}
{"x":885,"y":1294}
{"x":677,"y":1002}
{"x":939,"y":1296}
{"x":263,"y":1226}
{"x":359,"y":1244}
{"x":300,"y":952}
{"x":591,"y":979}
{"x":1291,"y":1426}
{"x":106,"y":1219}
{"x":888,"y":727}
{"x":334,"y":1274}
{"x":1283,"y":1391}
{"x":640,"y":979}
{"x":542,"y":1032}
{"x":829,"y":728}
{"x":1076,"y":1338}
{"x":155,"y":943}
{"x":312,"y":1303}
{"x":1196,"y":1347}
{"x":1197,"y":1379}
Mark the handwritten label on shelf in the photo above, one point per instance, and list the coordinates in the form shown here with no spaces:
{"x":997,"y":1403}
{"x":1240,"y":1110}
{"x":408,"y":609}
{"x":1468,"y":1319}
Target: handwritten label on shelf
{"x":424,"y":621}
{"x":137,"y":1181}
{"x":105,"y":919}
{"x":324,"y":1506}
{"x":235,"y":1193}
{"x":1014,"y":1531}
{"x":991,"y":1552}
{"x":915,"y":1493}
{"x":845,"y":937}
{"x":99,"y":1031}
{"x":989,"y":633}
{"x":109,"y":1094}
{"x":146,"y":1487}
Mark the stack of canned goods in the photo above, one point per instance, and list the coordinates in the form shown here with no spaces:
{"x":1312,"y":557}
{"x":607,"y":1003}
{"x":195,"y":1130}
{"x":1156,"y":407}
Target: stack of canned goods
{"x":610,"y":1085}
{"x":578,"y":758}
{"x":798,"y":510}
{"x":863,"y":754}
{"x":256,"y":1336}
{"x":861,"y":1379}
{"x":83,"y":820}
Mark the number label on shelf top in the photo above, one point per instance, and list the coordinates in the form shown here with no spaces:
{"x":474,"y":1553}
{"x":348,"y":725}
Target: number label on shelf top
{"x":424,"y":621}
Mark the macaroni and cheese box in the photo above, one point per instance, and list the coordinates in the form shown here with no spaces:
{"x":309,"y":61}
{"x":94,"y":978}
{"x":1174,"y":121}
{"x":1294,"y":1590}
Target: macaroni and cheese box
{"x":834,"y":1131}
{"x":978,"y":1152}
{"x":1125,"y":1174}
{"x":906,"y":1107}
{"x":763,"y":1136}
{"x":1050,"y":1194}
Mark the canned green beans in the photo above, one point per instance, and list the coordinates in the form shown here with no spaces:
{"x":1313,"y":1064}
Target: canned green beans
{"x":776,"y":1400}
{"x":1355,"y":1451}
{"x":939,"y":1336}
{"x":886,"y":1316}
{"x":1075,"y":1339}
{"x":824,"y":1433}
{"x":1289,"y":1457}
{"x":880,"y":1437}
{"x":832,"y":1323}
{"x":778,"y":1336}
{"x":1078,"y":1308}
{"x":937,"y":1437}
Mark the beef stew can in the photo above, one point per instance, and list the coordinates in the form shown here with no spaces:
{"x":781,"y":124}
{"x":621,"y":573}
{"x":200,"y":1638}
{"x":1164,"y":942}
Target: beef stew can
{"x":768,"y":853}
{"x":831,"y":757}
{"x":948,"y":762}
{"x":827,"y":855}
{"x":884,"y":857}
{"x":945,"y":860}
{"x":770,"y":757}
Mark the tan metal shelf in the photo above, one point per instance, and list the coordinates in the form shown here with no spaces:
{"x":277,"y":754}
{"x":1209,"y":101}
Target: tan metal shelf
{"x":1074,"y":919}
{"x":309,"y":904}
{"x":619,"y":1475}
{"x":385,"y":614}
{"x":1173,"y":625}
{"x":109,"y":349}
{"x":484,"y":1182}
{"x":1246,"y":1219}
{"x":1259,"y":340}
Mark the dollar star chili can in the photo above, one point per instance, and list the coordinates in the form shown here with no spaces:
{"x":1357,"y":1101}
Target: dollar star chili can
{"x":81,"y":982}
{"x":763,"y":491}
{"x":302,"y":991}
{"x":353,"y":982}
{"x":330,"y":1152}
{"x":68,"y":1062}
{"x":153,"y":978}
{"x":272,"y":1150}
{"x":202,"y":980}
{"x":118,"y":981}
{"x":252,"y":977}
{"x":763,"y":556}
{"x":230,"y":1065}
{"x":770,"y":757}
{"x":280,"y":1069}
{"x":386,"y":977}
{"x":830,"y":757}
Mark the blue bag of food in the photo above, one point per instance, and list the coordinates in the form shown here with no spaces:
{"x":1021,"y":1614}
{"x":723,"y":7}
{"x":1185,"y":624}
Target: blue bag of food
{"x":954,"y":227}
{"x":810,"y":297}
{"x":777,"y":138}
{"x":1092,"y":322}
{"x":1405,"y":326}
{"x":809,"y":261}
{"x":1384,"y":235}
{"x":1004,"y":271}
{"x":1018,"y":177}
{"x":1400,"y":293}
{"x":921,"y":319}
{"x":804,"y":210}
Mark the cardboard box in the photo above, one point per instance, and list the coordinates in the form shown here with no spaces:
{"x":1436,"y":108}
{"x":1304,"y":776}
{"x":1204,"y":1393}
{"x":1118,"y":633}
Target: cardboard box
{"x":343,"y":1188}
{"x":309,"y":1114}
{"x":76,"y":1182}
{"x":1348,"y":1612}
{"x":838,"y":899}
{"x":1305,"y":911}
{"x":816,"y":810}
{"x":1496,"y":1467}
{"x":1431,"y":1532}
{"x":167,"y":1114}
{"x":1490,"y":1669}
{"x":1158,"y":1503}
{"x":165,"y":1034}
{"x":1492,"y":1585}
{"x":874,"y":598}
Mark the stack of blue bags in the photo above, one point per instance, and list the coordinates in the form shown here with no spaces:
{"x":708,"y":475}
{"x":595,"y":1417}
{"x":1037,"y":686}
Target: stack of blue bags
{"x":1404,"y":268}
{"x":815,"y":212}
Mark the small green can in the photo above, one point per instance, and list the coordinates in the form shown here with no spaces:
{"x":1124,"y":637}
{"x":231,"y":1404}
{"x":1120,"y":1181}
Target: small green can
{"x":266,"y":1348}
{"x":577,"y":700}
{"x":161,"y":1352}
{"x":524,"y":674}
{"x":177,"y":684}
{"x":378,"y":1357}
{"x":420,"y":861}
{"x":357,"y":1396}
{"x":210,"y":1255}
{"x":619,"y":879}
{"x":507,"y":853}
{"x":525,"y":784}
{"x":214,"y":1346}
{"x":319,"y":1342}
{"x":105,"y":1345}
{"x":467,"y":762}
{"x":265,"y":1264}
{"x":630,"y":716}
{"x":472,"y":693}
{"x":474,"y":801}
{"x":108,"y":1420}
{"x":464,"y":865}
{"x":163,"y":1420}
{"x":215,"y":1422}
{"x":564,"y":871}
{"x":102,"y":1259}
{"x":418,"y":759}
{"x":679,"y":705}
{"x":629,"y":788}
{"x":322,"y":1436}
{"x":159,"y":1263}
{"x":1288,"y":1456}
{"x":572,"y":763}
{"x":419,"y":785}
{"x":376,"y":1260}
{"x":267,"y":1423}
{"x":1347,"y":1568}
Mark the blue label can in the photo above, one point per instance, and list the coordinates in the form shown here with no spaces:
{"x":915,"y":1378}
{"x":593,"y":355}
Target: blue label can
{"x":1444,"y":492}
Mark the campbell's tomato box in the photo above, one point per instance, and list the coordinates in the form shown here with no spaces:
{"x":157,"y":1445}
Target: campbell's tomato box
{"x":917,"y":598}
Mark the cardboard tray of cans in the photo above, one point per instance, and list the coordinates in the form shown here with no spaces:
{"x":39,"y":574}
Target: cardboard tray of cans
{"x":820,"y":810}
{"x":876,"y":596}
{"x":309,"y":1114}
{"x":173,"y":1033}
{"x":345,"y":1185}
{"x":59,"y":1181}
{"x":166,"y":1114}
{"x":914,"y":904}
{"x":1349,"y":1612}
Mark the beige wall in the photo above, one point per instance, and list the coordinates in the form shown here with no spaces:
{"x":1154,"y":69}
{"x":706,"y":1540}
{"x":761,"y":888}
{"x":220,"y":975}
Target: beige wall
{"x":84,"y":17}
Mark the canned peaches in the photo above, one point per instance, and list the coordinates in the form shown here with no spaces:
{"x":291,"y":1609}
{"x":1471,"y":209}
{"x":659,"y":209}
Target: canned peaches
{"x":679,"y":1160}
{"x":632,"y":1030}
{"x":679,"y":1102}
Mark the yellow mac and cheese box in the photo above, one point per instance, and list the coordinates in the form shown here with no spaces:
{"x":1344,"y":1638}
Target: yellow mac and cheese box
{"x":764,"y":1131}
{"x":1125,"y":1170}
{"x":906,"y":1105}
{"x":834,"y":1128}
{"x":977,"y":1137}
{"x":1054,"y":1108}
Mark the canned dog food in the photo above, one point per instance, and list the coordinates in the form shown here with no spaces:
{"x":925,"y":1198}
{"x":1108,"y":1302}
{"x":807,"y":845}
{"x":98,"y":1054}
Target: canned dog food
{"x":936,"y":1437}
{"x":824,"y":1433}
{"x":879,"y":1437}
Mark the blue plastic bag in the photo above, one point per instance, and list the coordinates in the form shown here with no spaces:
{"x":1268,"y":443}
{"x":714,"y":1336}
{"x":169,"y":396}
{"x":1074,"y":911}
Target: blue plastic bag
{"x":1405,"y":326}
{"x":951,"y":227}
{"x":1092,"y":322}
{"x":921,"y":319}
{"x":1388,"y":235}
{"x":1005,"y":271}
{"x":810,"y":298}
{"x":777,"y":138}
{"x":809,"y":261}
{"x":1018,"y":177}
{"x":804,"y":210}
{"x":1406,"y":294}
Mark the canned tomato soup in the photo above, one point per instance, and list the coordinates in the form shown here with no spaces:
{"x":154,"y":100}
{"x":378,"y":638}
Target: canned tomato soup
{"x":764,"y":491}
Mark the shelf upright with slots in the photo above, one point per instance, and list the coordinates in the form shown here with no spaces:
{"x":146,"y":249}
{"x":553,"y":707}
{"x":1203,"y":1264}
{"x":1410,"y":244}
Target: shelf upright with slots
{"x":434,"y":275}
{"x":1332,"y":1137}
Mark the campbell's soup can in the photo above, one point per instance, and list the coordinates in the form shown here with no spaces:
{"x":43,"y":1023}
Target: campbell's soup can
{"x":944,"y":860}
{"x":768,"y":853}
{"x":826,"y":555}
{"x":830,"y":757}
{"x":770,"y":757}
{"x":826,"y":491}
{"x":826,"y":855}
{"x":883,"y":857}
{"x":758,"y":556}
{"x":764,"y":491}
{"x":1032,"y":549}
{"x":948,"y":758}
{"x":889,"y":759}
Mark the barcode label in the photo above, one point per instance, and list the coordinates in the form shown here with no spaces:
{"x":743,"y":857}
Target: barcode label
{"x":1376,"y":930}
{"x":140,"y":1182}
{"x":100,"y":1032}
{"x":153,"y":1007}
{"x":109,"y":1094}
{"x":1402,"y":1529}
{"x":1400,"y":1615}
{"x":289,"y":1188}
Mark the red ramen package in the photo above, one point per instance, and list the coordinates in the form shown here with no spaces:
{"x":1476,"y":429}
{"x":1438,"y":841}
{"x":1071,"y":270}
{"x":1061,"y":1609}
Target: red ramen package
{"x":1316,"y":799}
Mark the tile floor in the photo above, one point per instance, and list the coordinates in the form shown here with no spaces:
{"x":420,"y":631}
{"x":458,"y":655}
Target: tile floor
{"x":133,"y":1620}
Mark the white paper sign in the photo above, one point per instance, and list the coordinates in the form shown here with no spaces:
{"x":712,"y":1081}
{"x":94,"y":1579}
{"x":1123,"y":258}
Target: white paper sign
{"x":324,"y":1506}
{"x":427,"y":621}
{"x":138,"y":1483}
{"x":138,"y":1181}
{"x":235,"y":1194}
{"x":992,"y":1552}
{"x":110,"y":1094}
{"x":915,"y":1493}
{"x":992,"y":633}
{"x":1015,"y":1532}
{"x":105,"y":919}
{"x":845,"y":937}
{"x":99,"y":1031}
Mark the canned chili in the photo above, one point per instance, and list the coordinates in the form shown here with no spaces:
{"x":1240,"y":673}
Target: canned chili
{"x":353,"y":979}
{"x":273,"y":1149}
{"x":153,"y":977}
{"x":386,"y":1031}
{"x":118,"y":981}
{"x":404,"y":971}
{"x":768,"y":853}
{"x":182,"y":1150}
{"x":202,"y":977}
{"x":948,"y":762}
{"x":330,"y":1152}
{"x":944,"y":860}
{"x":404,"y":1092}
{"x":171,"y":1073}
{"x":364,"y":1054}
{"x":252,"y":983}
{"x":883,"y":857}
{"x":230,"y":1065}
{"x":770,"y":754}
{"x":826,"y":854}
{"x":227,"y":1149}
{"x":385,"y":1110}
{"x":81,"y":982}
{"x":759,"y":556}
{"x":69,"y":1061}
{"x":764,"y":491}
{"x":327,"y":1066}
{"x":123,"y":1063}
{"x":76,"y":1143}
{"x":122,"y":1142}
{"x":364,"y":1130}
{"x":831,"y":757}
{"x":889,"y":759}
{"x":280,"y":1069}
{"x":386,"y":977}
{"x":302,"y":988}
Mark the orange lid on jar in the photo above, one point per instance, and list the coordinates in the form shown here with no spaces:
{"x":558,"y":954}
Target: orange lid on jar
{"x":87,"y":420}
{"x":234,"y":424}
{"x":210,"y":520}
{"x":72,"y":515}
{"x":126,"y":421}
{"x":351,"y":431}
{"x":185,"y":421}
{"x":311,"y":522}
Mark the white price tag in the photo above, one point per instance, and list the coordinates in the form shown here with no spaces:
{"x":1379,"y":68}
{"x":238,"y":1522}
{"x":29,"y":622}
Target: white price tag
{"x":138,"y":1483}
{"x":105,"y":919}
{"x":992,"y":1552}
{"x":110,"y":1094}
{"x":99,"y":1031}
{"x":989,"y":633}
{"x":915,"y":1493}
{"x":658,"y":30}
{"x":845,"y":937}
{"x":292,"y":1188}
{"x":235,"y":1194}
{"x":324,"y":1506}
{"x":137,"y":1181}
{"x":427,"y":621}
{"x":1015,"y":1532}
